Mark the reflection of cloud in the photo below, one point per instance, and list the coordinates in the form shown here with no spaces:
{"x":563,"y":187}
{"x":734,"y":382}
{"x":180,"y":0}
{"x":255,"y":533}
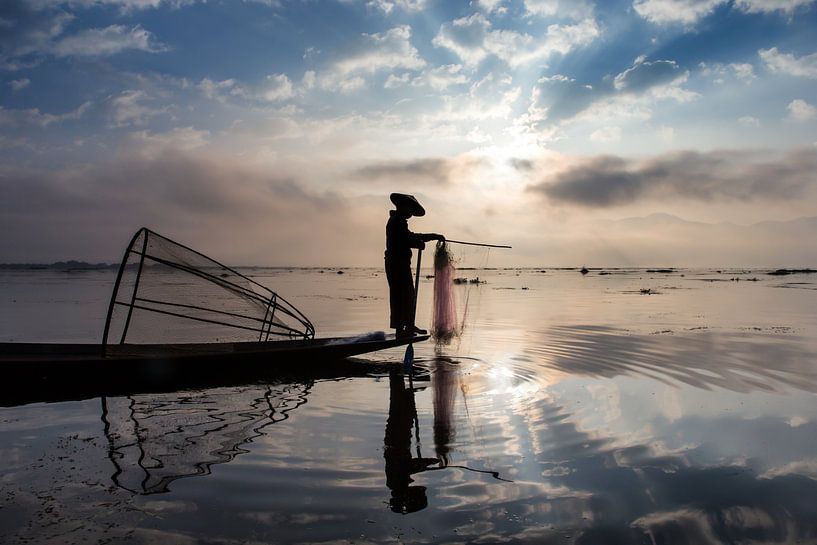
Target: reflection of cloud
{"x":805,"y":468}
{"x":733,"y":363}
{"x":605,"y":181}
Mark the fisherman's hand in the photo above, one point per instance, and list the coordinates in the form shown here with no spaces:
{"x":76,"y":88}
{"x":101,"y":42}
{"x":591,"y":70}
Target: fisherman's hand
{"x":441,"y":238}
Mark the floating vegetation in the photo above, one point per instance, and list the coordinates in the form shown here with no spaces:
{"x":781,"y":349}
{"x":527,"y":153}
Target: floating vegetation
{"x":784,"y":272}
{"x":469,"y":281}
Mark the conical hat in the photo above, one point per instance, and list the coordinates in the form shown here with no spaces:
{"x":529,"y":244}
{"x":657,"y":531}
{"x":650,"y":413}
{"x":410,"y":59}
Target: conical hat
{"x":401,"y":200}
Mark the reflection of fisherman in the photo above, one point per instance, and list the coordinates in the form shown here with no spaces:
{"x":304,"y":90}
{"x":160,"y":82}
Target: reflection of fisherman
{"x":400,"y":465}
{"x":399,"y":242}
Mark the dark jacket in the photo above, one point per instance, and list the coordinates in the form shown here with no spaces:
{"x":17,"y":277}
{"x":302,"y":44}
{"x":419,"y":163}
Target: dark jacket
{"x":399,"y":240}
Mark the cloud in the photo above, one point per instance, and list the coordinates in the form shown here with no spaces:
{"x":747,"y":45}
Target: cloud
{"x":607,"y":181}
{"x":102,"y":42}
{"x":435,"y":170}
{"x":799,"y":468}
{"x":749,"y":121}
{"x":154,"y":145}
{"x":744,"y":72}
{"x":438,"y":78}
{"x":388,"y":6}
{"x":31,"y":35}
{"x":492,"y":6}
{"x":220,"y":90}
{"x":675,"y":11}
{"x":214,"y":204}
{"x":644,"y":75}
{"x":800,"y":110}
{"x":373,"y":53}
{"x":559,"y":98}
{"x":124,"y":5}
{"x":786,"y":63}
{"x":473,"y":39}
{"x":492,"y":97}
{"x":131,"y":108}
{"x":33,"y":116}
{"x":394,"y":81}
{"x":606,"y":134}
{"x":690,"y":11}
{"x":573,"y":9}
{"x":37,"y":35}
{"x":19,"y":84}
{"x":278,"y":87}
{"x":769,"y":6}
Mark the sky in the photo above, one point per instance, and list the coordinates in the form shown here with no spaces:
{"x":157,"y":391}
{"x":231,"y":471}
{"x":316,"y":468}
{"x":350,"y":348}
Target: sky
{"x":271,"y":132}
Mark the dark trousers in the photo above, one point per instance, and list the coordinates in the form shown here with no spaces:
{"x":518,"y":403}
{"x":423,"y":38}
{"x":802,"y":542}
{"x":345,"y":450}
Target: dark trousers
{"x":401,"y":292}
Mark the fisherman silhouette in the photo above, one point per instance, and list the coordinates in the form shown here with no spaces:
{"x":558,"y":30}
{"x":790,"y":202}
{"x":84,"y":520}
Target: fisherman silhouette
{"x":399,"y":243}
{"x":400,"y":464}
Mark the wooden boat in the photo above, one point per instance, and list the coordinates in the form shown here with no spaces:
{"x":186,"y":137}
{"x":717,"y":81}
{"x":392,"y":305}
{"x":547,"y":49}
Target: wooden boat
{"x":54,"y":372}
{"x":164,"y":289}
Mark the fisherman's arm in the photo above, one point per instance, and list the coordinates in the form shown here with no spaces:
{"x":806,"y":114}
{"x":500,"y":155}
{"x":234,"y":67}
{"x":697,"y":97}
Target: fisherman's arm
{"x":418,"y":240}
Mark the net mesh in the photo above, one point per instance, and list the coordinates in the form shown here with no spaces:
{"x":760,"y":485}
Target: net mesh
{"x":169,"y":293}
{"x":444,"y":321}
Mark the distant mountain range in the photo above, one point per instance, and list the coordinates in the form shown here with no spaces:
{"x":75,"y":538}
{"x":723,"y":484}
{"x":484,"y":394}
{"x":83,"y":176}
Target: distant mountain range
{"x":670,"y":240}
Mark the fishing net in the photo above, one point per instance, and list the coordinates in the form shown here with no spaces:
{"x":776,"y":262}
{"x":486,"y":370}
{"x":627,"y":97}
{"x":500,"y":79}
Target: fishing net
{"x":444,"y":321}
{"x":453,"y":301}
{"x":169,"y":293}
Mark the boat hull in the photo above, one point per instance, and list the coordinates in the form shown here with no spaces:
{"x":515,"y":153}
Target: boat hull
{"x":54,"y":372}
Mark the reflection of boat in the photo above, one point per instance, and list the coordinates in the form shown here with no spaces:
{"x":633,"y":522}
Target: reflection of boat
{"x":154,"y":440}
{"x":175,"y":312}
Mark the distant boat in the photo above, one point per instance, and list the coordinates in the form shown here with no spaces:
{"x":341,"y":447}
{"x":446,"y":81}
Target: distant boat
{"x":176,"y":315}
{"x":584,"y":270}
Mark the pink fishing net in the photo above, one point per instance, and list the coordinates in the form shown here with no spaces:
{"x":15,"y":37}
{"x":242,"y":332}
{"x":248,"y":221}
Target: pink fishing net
{"x":444,"y":323}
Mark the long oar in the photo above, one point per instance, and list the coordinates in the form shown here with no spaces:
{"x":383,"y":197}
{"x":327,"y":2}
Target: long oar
{"x":477,"y":244}
{"x":408,"y":359}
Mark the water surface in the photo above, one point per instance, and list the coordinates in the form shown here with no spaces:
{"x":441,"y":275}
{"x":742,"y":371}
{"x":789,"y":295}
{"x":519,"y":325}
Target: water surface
{"x":573,"y":409}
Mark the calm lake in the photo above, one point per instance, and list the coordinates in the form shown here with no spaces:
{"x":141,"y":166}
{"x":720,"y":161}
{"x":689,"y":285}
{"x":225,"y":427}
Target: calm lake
{"x":623,"y":406}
